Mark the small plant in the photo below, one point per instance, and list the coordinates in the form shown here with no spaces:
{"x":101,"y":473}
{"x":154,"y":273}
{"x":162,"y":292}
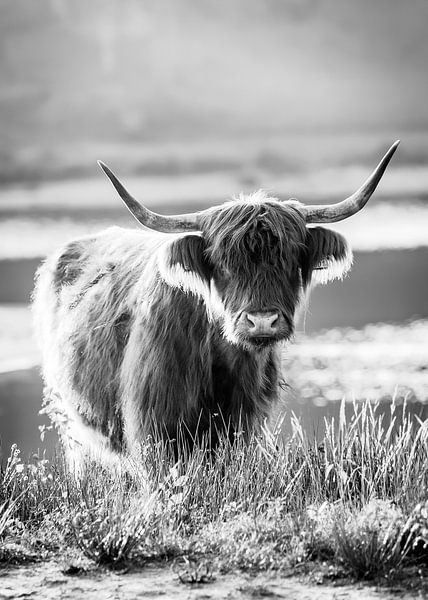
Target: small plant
{"x":7,"y":510}
{"x":415,"y":533}
{"x":112,"y":529}
{"x":194,"y":571}
{"x":368,"y":542}
{"x":105,"y":537}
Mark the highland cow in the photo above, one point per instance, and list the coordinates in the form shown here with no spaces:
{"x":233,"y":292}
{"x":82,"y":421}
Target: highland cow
{"x":179,"y":324}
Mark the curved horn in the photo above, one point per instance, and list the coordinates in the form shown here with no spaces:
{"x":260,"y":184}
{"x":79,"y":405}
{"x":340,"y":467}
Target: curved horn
{"x":148,"y":218}
{"x":330,"y":213}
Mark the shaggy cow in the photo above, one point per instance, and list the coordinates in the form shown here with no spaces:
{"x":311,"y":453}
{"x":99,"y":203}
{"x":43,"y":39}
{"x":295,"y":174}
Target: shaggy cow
{"x":180,"y":322}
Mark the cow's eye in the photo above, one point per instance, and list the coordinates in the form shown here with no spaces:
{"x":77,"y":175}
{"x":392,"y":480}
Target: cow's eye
{"x":224,"y":273}
{"x":323,"y":264}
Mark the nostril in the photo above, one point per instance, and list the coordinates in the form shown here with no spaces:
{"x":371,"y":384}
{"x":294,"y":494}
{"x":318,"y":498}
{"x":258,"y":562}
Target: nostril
{"x":274,"y":321}
{"x":250,"y":320}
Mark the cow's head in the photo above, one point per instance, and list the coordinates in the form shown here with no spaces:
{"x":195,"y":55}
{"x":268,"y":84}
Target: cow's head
{"x":252,"y":258}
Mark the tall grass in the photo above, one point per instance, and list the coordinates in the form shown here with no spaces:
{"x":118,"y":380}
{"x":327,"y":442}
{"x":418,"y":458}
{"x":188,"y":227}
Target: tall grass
{"x":358,"y":499}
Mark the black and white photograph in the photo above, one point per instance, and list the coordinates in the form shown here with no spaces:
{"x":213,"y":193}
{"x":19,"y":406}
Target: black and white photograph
{"x":213,"y":299}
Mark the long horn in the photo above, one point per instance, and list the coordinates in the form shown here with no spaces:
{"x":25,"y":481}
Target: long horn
{"x":330,"y":213}
{"x":148,"y":218}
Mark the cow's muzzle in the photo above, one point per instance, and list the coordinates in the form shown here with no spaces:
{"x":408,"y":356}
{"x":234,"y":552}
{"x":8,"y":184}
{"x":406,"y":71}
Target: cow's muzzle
{"x":261,"y":329}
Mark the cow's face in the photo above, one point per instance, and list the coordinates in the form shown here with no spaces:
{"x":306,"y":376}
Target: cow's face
{"x":251,"y":265}
{"x":254,"y":257}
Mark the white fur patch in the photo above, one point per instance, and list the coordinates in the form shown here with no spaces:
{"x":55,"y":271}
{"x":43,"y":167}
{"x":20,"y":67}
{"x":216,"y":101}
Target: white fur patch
{"x":333,"y":269}
{"x":216,"y":303}
{"x":81,"y":441}
{"x":189,"y":282}
{"x":229,"y":330}
{"x":175,"y":276}
{"x":256,"y":198}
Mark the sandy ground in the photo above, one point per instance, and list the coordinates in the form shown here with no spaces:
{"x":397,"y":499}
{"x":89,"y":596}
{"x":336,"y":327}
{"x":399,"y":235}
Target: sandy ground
{"x":48,"y":581}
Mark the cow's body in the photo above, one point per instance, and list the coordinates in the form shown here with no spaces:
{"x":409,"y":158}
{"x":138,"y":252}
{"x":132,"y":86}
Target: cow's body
{"x":145,"y":331}
{"x":123,"y":350}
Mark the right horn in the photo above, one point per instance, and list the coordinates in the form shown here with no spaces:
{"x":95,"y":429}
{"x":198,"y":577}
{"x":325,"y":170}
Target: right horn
{"x":148,"y":218}
{"x":330,"y":213}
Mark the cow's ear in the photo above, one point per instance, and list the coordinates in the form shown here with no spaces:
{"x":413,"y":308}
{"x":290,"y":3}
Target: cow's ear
{"x":183,"y":264}
{"x":327,"y":256}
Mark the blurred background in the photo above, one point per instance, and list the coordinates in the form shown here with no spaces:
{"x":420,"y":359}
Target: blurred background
{"x":193,"y":102}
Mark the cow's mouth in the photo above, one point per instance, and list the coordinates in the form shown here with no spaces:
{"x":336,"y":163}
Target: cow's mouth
{"x":261,"y":341}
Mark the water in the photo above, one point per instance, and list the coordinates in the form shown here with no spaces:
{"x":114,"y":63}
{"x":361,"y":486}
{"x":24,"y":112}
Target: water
{"x":20,"y":399}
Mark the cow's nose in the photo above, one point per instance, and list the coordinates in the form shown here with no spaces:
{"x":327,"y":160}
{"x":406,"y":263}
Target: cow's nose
{"x":262,"y":323}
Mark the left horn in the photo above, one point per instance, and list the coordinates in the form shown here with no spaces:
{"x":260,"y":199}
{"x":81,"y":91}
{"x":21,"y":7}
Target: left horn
{"x":330,"y":213}
{"x":148,"y":218}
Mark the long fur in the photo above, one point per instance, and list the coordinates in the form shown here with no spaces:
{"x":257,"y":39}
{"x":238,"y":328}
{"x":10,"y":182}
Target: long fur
{"x":137,"y":328}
